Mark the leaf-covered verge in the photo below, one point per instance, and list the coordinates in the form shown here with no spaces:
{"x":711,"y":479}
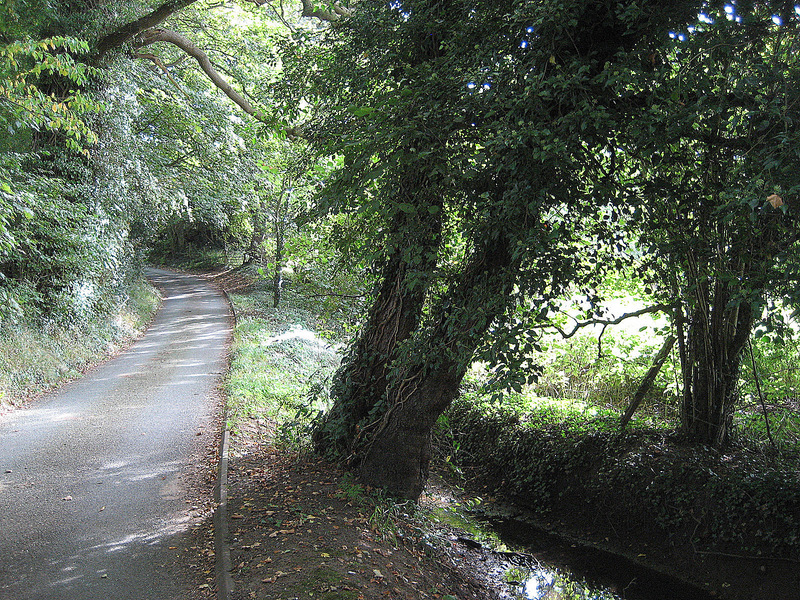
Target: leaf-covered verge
{"x":729,"y":521}
{"x":301,"y":527}
{"x":39,"y":354}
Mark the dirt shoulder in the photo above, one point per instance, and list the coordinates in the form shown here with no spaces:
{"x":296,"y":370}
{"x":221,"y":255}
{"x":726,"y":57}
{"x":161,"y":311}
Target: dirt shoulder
{"x":300,"y":529}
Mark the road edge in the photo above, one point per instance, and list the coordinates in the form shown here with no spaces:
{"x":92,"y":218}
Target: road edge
{"x":222,"y":550}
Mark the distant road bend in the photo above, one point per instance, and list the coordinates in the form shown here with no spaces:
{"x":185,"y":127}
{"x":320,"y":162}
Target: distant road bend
{"x":92,"y":477}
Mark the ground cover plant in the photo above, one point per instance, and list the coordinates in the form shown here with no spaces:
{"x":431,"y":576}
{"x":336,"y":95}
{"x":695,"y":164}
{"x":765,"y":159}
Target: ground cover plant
{"x":727,"y":521}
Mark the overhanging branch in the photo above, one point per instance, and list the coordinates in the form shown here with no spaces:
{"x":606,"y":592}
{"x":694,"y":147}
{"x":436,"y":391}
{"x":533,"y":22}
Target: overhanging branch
{"x":127,"y":32}
{"x":606,"y":322}
{"x":160,"y":65}
{"x":163,"y":35}
{"x":336,"y":12}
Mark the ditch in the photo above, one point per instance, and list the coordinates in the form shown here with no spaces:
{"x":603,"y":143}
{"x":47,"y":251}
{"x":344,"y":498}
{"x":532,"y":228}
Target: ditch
{"x":535,"y":564}
{"x":569,"y":571}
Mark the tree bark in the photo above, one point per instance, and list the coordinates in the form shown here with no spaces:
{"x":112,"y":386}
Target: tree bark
{"x":280,"y":240}
{"x":720,"y":324}
{"x":255,"y":250}
{"x":648,"y":380}
{"x":359,"y":387}
{"x":397,"y":455}
{"x":162,"y":35}
{"x":717,"y":337}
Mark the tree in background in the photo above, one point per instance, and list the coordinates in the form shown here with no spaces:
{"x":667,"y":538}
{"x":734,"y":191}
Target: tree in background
{"x":54,"y":233}
{"x":168,"y":160}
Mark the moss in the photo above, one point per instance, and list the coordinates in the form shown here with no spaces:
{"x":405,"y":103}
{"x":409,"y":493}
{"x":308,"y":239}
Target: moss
{"x":325,"y":575}
{"x":340,"y":595}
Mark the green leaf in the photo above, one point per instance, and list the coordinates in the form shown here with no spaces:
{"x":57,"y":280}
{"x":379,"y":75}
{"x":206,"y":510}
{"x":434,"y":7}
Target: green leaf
{"x":360,"y":111}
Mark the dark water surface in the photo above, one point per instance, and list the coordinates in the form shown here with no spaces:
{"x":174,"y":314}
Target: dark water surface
{"x":548,"y":568}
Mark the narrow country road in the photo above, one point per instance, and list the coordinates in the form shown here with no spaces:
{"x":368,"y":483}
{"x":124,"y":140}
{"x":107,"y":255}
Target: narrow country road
{"x":93,"y":478}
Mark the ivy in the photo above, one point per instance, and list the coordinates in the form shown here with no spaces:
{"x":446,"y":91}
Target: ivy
{"x":740,"y":504}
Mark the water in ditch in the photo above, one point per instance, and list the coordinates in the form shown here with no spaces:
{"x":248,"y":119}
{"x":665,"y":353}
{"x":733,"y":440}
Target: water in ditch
{"x":536,"y":565}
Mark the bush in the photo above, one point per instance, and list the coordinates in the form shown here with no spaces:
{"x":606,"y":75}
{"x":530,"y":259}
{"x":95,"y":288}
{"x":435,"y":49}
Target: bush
{"x":37,"y":353}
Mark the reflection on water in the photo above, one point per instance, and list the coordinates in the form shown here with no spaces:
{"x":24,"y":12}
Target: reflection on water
{"x":548,"y":583}
{"x":549,"y":568}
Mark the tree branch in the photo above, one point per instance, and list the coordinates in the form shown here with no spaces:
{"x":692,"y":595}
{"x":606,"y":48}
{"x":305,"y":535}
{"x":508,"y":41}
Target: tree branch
{"x":323,"y":14}
{"x":163,"y":35}
{"x":648,"y":380}
{"x":606,"y":322}
{"x":160,"y":65}
{"x":127,"y":32}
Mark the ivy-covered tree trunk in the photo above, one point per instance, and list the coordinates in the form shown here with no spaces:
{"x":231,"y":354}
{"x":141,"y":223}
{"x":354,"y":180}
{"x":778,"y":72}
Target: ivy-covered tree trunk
{"x":512,"y":99}
{"x":359,"y":387}
{"x":397,"y":448}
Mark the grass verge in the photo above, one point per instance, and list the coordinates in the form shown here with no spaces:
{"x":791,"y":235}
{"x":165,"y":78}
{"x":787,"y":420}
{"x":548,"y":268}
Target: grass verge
{"x":281,"y":363}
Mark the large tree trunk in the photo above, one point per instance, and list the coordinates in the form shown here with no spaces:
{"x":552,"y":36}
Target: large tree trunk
{"x":255,"y":252}
{"x":397,"y":453}
{"x":359,"y":387}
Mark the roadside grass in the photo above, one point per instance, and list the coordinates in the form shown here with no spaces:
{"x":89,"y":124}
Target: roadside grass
{"x":37,"y":356}
{"x":281,"y":364}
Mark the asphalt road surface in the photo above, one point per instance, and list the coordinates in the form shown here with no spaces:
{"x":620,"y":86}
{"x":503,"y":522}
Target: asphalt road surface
{"x":93,"y":477}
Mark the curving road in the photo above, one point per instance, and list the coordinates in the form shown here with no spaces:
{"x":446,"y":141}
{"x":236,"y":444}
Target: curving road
{"x":93,"y":477}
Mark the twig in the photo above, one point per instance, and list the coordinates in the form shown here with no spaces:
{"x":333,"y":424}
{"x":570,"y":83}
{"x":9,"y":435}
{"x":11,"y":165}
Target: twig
{"x":157,"y":61}
{"x":606,"y":322}
{"x":746,"y":557}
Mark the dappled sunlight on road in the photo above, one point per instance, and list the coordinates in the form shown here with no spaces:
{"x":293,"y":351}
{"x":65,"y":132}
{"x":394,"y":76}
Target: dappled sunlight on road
{"x":95,"y":476}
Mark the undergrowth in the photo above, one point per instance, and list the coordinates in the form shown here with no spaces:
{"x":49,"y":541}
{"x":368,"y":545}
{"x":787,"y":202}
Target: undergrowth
{"x":39,"y":354}
{"x":568,"y":463}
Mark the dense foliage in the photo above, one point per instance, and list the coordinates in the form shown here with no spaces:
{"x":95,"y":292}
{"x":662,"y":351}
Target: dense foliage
{"x":500,"y":170}
{"x":489,"y":161}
